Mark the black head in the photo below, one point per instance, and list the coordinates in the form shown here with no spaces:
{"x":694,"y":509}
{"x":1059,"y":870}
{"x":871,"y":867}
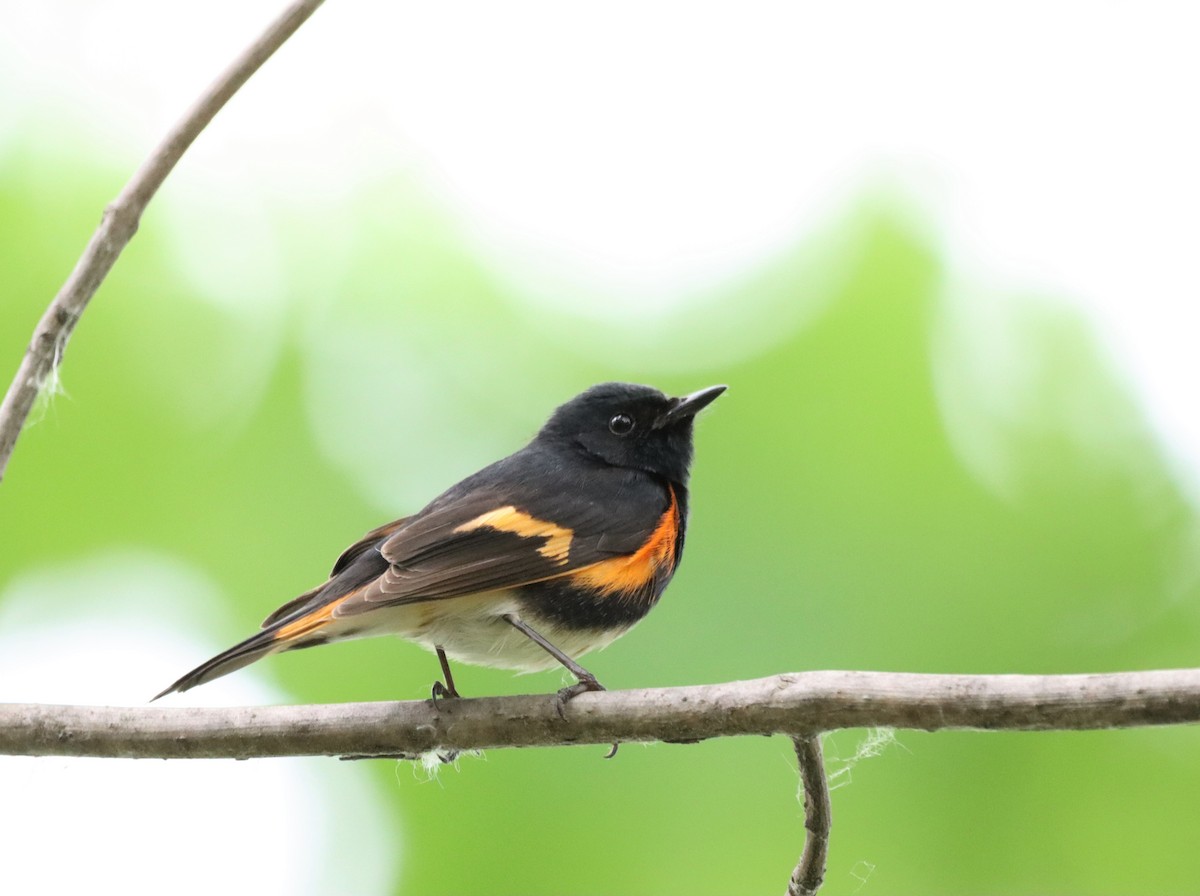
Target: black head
{"x":631,"y":426}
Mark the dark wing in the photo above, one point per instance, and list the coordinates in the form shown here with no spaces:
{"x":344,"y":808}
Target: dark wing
{"x":368,"y":542}
{"x":527,"y":518}
{"x":489,"y":540}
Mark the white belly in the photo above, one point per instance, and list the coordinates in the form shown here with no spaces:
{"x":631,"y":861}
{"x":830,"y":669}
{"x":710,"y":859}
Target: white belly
{"x":472,"y":630}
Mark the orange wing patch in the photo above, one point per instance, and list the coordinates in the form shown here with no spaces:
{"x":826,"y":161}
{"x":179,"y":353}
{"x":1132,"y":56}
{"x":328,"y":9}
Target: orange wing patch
{"x":509,"y":519}
{"x":634,"y":571}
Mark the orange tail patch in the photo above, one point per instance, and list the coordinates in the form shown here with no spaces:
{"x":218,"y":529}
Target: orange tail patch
{"x":311,"y":622}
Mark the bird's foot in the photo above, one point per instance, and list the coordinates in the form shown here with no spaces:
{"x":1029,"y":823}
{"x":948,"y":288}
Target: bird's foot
{"x":586,"y":683}
{"x":441,"y":691}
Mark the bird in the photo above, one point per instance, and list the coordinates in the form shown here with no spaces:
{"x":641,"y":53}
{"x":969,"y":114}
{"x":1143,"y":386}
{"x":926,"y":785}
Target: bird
{"x":535,"y":560}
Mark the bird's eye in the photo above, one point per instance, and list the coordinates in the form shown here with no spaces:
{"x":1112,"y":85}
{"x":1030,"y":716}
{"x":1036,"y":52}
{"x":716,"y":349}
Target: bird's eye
{"x":621,"y":425}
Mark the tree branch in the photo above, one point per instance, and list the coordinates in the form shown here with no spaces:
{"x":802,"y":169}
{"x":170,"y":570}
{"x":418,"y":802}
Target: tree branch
{"x":118,"y":226}
{"x":805,"y":702}
{"x":800,"y":705}
{"x":818,"y":818}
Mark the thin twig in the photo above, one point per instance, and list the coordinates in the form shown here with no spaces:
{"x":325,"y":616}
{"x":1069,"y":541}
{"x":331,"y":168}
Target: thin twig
{"x":783,"y":704}
{"x":118,"y":225}
{"x":818,"y":817}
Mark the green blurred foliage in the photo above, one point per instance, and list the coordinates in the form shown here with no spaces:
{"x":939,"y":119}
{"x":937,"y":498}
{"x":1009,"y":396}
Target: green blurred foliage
{"x":834,"y":526}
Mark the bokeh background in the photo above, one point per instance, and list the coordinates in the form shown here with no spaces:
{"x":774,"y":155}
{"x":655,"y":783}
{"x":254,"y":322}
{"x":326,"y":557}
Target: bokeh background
{"x":943,"y":255}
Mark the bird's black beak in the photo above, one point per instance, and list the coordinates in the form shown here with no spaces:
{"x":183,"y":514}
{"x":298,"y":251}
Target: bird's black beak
{"x":688,"y":406}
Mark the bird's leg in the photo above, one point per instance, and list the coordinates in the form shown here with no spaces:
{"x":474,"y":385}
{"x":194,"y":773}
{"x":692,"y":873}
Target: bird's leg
{"x":587,"y":681}
{"x":448,"y":689}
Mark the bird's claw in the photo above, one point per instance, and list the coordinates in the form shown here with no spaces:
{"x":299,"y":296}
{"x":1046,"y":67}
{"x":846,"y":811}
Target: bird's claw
{"x":567,"y":694}
{"x":441,"y":691}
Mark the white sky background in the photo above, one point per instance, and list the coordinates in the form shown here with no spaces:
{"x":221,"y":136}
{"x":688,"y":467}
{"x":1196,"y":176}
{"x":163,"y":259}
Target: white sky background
{"x":624,"y":156}
{"x":619,"y":157}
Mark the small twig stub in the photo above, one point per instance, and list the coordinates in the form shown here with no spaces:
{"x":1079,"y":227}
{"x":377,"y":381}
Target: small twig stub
{"x":818,"y":817}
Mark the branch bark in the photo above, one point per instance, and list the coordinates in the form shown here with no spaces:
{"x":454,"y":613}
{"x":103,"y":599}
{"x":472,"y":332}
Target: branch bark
{"x":118,"y":225}
{"x":802,"y":703}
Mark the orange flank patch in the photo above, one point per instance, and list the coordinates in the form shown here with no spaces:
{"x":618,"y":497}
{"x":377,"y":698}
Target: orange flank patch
{"x":508,"y":519}
{"x":310,"y":622}
{"x":636,"y":570}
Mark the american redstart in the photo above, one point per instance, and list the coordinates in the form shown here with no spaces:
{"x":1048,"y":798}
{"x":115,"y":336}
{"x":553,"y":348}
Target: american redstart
{"x":553,"y":551}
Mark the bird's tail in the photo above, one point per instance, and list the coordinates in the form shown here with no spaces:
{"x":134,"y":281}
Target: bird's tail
{"x":299,"y":625}
{"x":237,"y":656}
